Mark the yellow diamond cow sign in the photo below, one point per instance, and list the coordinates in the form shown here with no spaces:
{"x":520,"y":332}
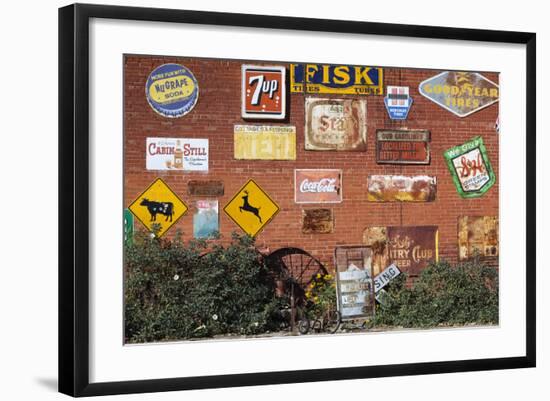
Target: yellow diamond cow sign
{"x":251,"y":208}
{"x":158,"y":204}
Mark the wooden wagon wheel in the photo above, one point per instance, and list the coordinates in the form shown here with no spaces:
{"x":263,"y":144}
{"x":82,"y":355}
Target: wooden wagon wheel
{"x":297,"y":269}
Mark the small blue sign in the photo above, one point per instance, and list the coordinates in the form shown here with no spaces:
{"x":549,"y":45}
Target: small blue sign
{"x":398,"y":102}
{"x":172,"y":90}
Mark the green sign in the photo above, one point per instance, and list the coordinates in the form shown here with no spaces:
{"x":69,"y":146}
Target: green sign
{"x":470,"y":168}
{"x":128,"y":226}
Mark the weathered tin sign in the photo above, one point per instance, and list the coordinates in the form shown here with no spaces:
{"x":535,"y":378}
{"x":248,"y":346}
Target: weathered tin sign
{"x":398,"y":188}
{"x":263,"y":92}
{"x":376,"y":238}
{"x":185,"y":154}
{"x":384,"y":278}
{"x":412,"y":248}
{"x":264,"y":142}
{"x":461,"y":93}
{"x":470,"y":168}
{"x":205,"y":220}
{"x":317,"y":186}
{"x":336,"y":79}
{"x":477,"y":236}
{"x":205,"y":188}
{"x":317,"y":221}
{"x":354,"y":282}
{"x":403,"y":146}
{"x":336,"y":124}
{"x":398,"y":102}
{"x":172,"y":90}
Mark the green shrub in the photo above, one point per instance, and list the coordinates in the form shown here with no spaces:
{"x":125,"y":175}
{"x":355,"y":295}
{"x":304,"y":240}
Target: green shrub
{"x":179,"y":291}
{"x":442,"y":295}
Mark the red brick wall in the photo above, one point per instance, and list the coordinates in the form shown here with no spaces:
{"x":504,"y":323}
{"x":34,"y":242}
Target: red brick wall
{"x":219,"y":109}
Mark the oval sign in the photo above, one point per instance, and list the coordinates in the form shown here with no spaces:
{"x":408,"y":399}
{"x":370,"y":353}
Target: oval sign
{"x":172,"y":90}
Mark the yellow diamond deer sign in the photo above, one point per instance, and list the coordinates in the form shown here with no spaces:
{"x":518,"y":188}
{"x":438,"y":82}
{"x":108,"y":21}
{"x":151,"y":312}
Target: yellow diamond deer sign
{"x":159,"y":205}
{"x":251,"y":208}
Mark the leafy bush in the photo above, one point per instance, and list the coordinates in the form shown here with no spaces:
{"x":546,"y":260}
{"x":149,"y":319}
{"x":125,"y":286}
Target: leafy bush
{"x":179,"y":291}
{"x":442,"y":295}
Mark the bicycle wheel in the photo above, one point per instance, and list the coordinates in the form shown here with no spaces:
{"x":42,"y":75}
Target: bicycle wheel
{"x":333,"y":321}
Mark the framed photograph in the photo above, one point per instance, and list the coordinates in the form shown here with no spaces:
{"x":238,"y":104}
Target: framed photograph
{"x":206,"y":239}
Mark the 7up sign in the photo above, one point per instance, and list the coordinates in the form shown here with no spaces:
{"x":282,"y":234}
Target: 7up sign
{"x":263,"y":92}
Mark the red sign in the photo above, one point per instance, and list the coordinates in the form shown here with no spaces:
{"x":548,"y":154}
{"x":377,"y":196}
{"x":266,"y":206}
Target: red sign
{"x":402,"y":147}
{"x":317,"y":186}
{"x":263,"y":92}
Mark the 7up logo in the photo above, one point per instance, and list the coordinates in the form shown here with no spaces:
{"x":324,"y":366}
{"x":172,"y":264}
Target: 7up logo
{"x":263,"y":92}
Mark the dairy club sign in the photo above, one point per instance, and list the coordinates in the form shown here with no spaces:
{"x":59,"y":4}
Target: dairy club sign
{"x":263,"y":92}
{"x":317,"y":186}
{"x":183,"y":154}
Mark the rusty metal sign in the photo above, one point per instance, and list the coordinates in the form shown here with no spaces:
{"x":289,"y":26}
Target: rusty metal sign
{"x":354,"y":282}
{"x":264,"y":142}
{"x":317,"y":186}
{"x":377,"y":239}
{"x":336,"y":79}
{"x":461,"y":93}
{"x":477,"y":236}
{"x":470,"y":168}
{"x":317,"y":221}
{"x":205,"y":188}
{"x":403,"y":146}
{"x":398,"y":188}
{"x":336,"y":124}
{"x":411,"y":248}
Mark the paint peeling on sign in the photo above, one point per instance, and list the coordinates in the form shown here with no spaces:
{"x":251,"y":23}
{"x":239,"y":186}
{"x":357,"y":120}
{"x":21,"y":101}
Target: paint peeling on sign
{"x":477,"y":236}
{"x":264,"y":142}
{"x":470,"y":168}
{"x":317,"y":221}
{"x":402,"y":146}
{"x":336,"y":79}
{"x":411,"y":248}
{"x":398,"y":188}
{"x":461,"y":93}
{"x":205,"y":188}
{"x":335,"y":124}
{"x":377,"y":239}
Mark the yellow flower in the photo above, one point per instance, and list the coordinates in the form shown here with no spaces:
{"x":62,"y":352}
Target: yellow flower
{"x":315,"y":299}
{"x":308,"y":294}
{"x":318,"y":275}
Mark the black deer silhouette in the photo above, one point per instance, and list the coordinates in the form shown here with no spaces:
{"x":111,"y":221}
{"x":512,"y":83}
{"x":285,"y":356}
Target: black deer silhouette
{"x":165,"y":208}
{"x":249,"y":208}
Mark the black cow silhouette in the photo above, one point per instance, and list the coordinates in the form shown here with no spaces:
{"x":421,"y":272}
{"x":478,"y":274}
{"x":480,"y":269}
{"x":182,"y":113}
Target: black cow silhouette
{"x":165,"y":208}
{"x":247,"y":207}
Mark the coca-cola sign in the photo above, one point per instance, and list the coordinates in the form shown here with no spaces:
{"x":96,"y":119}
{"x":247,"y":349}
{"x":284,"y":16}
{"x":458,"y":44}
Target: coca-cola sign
{"x":318,"y":186}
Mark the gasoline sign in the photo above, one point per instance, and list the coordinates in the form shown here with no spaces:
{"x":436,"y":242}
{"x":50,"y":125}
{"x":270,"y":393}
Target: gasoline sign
{"x":158,"y":206}
{"x":263,"y":92}
{"x":251,"y":208}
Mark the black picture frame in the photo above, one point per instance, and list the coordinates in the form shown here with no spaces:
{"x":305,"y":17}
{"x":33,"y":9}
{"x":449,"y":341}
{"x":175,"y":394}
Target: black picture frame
{"x":74,"y":193}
